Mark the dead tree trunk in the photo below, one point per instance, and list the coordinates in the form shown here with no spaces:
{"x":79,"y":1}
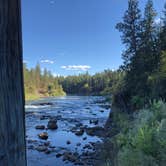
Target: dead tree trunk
{"x":12,"y":126}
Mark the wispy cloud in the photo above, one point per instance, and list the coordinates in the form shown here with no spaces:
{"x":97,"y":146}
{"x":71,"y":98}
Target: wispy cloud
{"x":55,"y":74}
{"x":76,"y":67}
{"x":52,"y":2}
{"x":47,"y":61}
{"x":158,"y":21}
{"x":25,"y":61}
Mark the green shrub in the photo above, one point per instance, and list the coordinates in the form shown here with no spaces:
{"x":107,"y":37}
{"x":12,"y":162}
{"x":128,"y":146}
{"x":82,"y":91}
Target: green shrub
{"x":141,"y":141}
{"x":134,"y":157}
{"x":137,"y":102}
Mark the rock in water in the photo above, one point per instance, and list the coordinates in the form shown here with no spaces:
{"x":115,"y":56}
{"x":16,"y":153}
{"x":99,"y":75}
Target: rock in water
{"x":95,"y":131}
{"x":47,"y":151}
{"x":78,"y":144}
{"x":43,"y":104}
{"x":41,"y":148}
{"x":95,"y":121}
{"x":40,"y":127}
{"x":69,"y":156}
{"x":79,"y":132}
{"x":85,"y":138}
{"x":68,"y":142}
{"x":52,"y":124}
{"x":43,"y":135}
{"x":58,"y":155}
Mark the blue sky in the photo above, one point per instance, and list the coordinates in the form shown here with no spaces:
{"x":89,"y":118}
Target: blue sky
{"x":74,"y":36}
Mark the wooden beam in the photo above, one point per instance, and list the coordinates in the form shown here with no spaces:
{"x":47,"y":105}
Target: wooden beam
{"x":12,"y":123}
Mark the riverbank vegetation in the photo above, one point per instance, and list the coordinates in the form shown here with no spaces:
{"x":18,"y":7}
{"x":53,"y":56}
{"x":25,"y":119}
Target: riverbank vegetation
{"x":138,"y":124}
{"x":140,"y":139}
{"x":38,"y":84}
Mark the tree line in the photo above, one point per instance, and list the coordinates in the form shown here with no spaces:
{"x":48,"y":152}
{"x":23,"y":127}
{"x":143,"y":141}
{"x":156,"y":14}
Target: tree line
{"x":40,"y":84}
{"x":86,"y":84}
{"x":44,"y":84}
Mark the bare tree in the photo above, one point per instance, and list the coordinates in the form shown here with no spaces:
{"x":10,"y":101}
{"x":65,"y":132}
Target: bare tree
{"x":12,"y":125}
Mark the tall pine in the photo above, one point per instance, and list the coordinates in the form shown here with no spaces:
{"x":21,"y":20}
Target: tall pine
{"x":163,"y":31}
{"x":149,"y":49}
{"x":130,"y":28}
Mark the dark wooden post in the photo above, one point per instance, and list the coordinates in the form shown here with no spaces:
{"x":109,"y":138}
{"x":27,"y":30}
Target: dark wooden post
{"x":12,"y":125}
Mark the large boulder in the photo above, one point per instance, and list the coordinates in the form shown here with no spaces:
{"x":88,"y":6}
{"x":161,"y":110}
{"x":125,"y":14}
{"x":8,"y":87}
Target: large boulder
{"x":52,"y":124}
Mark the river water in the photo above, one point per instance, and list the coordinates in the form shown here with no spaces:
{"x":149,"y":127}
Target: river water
{"x":70,"y":112}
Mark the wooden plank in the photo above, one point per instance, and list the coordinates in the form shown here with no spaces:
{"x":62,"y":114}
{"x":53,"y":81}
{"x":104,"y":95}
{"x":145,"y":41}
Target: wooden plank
{"x":12,"y":123}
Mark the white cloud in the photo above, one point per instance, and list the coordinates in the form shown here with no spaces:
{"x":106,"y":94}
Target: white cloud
{"x":55,"y":74}
{"x":47,"y":61}
{"x":76,"y":67}
{"x":25,"y":61}
{"x":158,"y":21}
{"x":52,"y":2}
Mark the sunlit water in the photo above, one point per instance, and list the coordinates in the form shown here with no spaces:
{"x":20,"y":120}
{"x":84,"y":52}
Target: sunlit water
{"x":71,"y":111}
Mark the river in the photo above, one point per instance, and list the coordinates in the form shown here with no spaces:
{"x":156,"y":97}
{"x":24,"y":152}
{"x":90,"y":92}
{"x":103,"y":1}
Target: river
{"x":71,"y":113}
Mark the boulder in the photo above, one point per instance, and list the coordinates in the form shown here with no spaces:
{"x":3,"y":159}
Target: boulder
{"x":79,"y":124}
{"x":79,"y":132}
{"x":69,"y":156}
{"x":30,"y":141}
{"x":47,"y":151}
{"x":95,"y":131}
{"x":84,"y":138}
{"x":52,"y":124}
{"x":43,"y":135}
{"x":40,"y":127}
{"x":52,"y":147}
{"x":41,"y":148}
{"x":43,"y":104}
{"x":78,"y":144}
{"x":87,"y":146}
{"x":58,"y":155}
{"x":43,"y":117}
{"x":68,"y":142}
{"x":46,"y":143}
{"x":101,"y":111}
{"x":94,"y":121}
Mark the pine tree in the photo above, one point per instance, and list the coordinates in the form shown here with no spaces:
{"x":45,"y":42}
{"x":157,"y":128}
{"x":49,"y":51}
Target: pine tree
{"x":149,"y":51}
{"x":130,"y":28}
{"x":163,"y":31}
{"x":38,"y":76}
{"x":147,"y":60}
{"x":164,"y":18}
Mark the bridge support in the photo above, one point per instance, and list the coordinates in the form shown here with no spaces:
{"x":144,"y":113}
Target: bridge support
{"x":12,"y":124}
